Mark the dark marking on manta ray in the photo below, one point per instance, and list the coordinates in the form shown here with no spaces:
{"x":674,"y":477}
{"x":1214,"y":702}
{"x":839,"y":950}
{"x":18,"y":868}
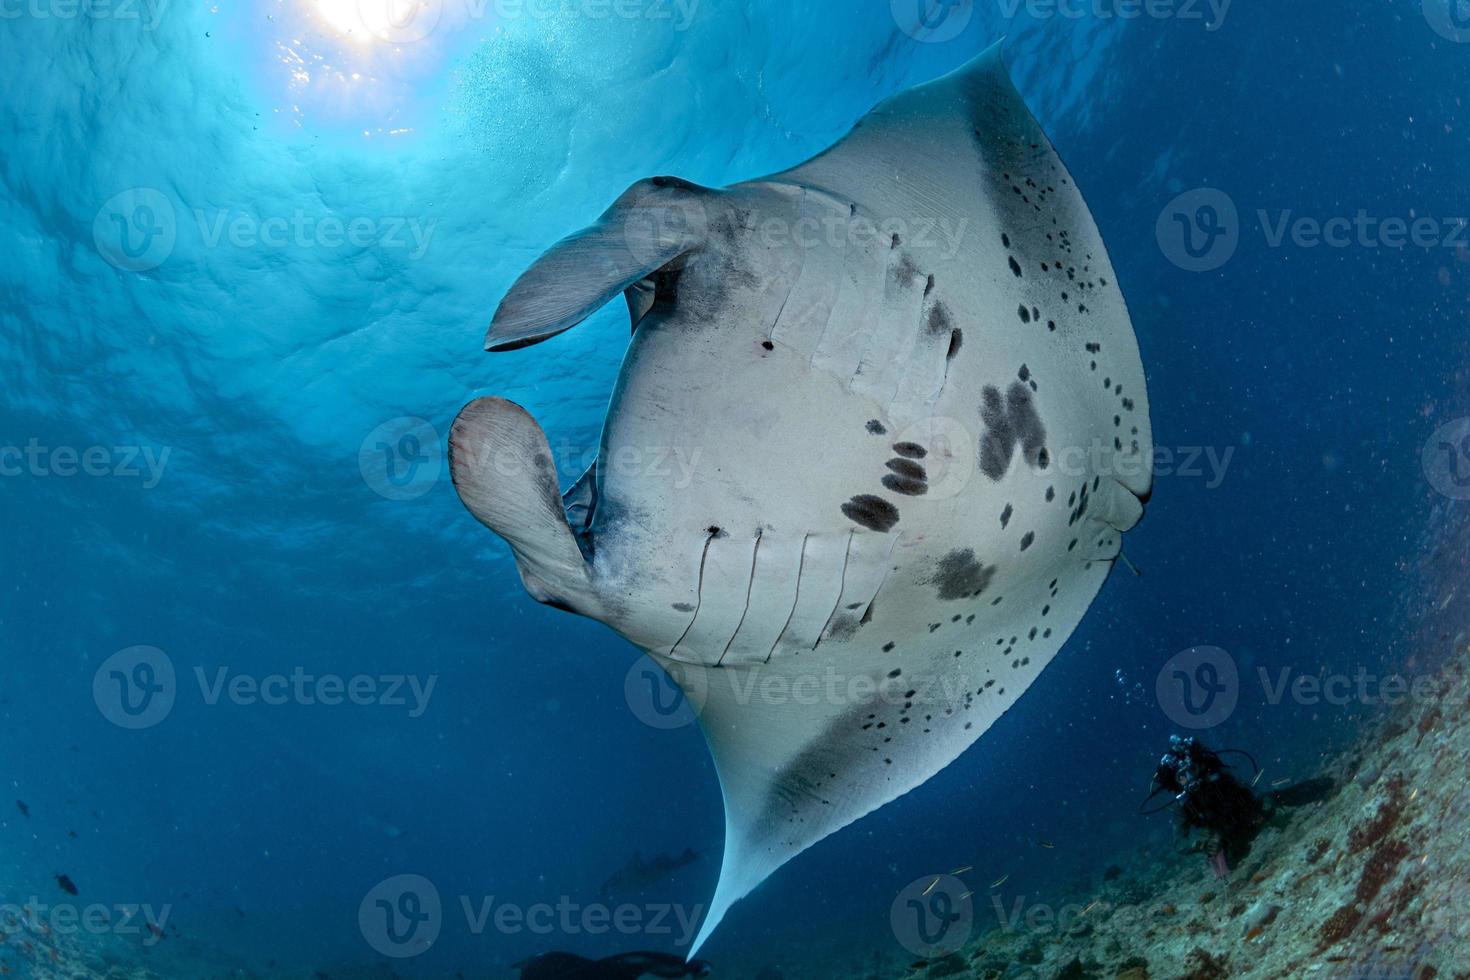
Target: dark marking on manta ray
{"x":940,"y":320}
{"x":1006,"y":424}
{"x":876,"y":428}
{"x":960,"y":575}
{"x":1027,"y":539}
{"x":956,"y":339}
{"x":684,"y":606}
{"x":1005,"y":516}
{"x":1015,"y":267}
{"x":906,"y":271}
{"x":1025,"y":314}
{"x":910,"y":449}
{"x":908,"y":468}
{"x":929,"y":287}
{"x":768,"y":345}
{"x":906,"y":486}
{"x":873,"y":513}
{"x":843,"y":628}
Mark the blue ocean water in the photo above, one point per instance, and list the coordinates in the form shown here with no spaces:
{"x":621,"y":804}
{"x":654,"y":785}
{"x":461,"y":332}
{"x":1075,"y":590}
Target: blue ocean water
{"x":251,"y":250}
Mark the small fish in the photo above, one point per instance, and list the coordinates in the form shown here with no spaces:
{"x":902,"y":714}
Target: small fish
{"x":966,"y":895}
{"x":1414,"y":795}
{"x":66,"y":884}
{"x":72,"y":834}
{"x":931,"y":887}
{"x":1258,"y":778}
{"x":1000,"y":881}
{"x":960,"y":871}
{"x":1280,"y":782}
{"x":1090,"y":907}
{"x":20,"y":805}
{"x":1046,"y":844}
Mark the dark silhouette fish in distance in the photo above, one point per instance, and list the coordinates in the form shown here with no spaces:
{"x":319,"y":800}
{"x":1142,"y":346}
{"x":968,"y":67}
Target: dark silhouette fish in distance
{"x":20,"y":805}
{"x":67,"y":885}
{"x":624,"y":966}
{"x":639,"y":875}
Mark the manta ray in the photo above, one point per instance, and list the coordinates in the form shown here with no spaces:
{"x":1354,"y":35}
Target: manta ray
{"x":916,"y":453}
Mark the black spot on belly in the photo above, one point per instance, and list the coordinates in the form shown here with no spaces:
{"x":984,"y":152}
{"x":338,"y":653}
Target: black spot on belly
{"x":1027,"y":539}
{"x":910,"y":449}
{"x":873,"y":513}
{"x":876,"y":427}
{"x":843,"y":627}
{"x":960,"y":575}
{"x":905,"y":272}
{"x":684,"y":607}
{"x":956,"y":340}
{"x":1008,"y":423}
{"x":940,"y":320}
{"x":908,"y":468}
{"x":905,"y":485}
{"x":1015,"y":267}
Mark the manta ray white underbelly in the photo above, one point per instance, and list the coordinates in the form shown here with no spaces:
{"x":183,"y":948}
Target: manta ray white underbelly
{"x":909,"y":385}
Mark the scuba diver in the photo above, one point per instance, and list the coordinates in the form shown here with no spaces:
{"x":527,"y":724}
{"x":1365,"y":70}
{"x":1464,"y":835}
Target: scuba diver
{"x":1214,"y":800}
{"x":624,"y":966}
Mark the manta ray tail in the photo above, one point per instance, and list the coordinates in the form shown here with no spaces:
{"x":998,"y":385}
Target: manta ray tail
{"x":503,"y":470}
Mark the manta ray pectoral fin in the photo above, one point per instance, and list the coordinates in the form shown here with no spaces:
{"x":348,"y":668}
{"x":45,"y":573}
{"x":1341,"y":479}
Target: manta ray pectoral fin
{"x":503,"y":470}
{"x":648,"y":228}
